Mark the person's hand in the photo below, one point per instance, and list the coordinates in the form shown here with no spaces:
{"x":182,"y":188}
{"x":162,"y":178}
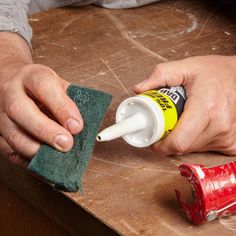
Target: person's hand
{"x":208,"y":122}
{"x":35,"y":109}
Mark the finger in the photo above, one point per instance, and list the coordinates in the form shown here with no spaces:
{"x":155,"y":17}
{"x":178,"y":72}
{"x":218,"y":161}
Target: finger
{"x":48,"y":89}
{"x":225,"y":144}
{"x":22,"y":110}
{"x":207,"y":140}
{"x":194,"y":118}
{"x":200,"y":143}
{"x":17,"y":139}
{"x":219,"y":134}
{"x":11,"y":155}
{"x":165,"y":74}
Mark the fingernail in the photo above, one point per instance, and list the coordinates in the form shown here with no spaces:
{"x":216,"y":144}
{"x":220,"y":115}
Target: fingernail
{"x":62,"y":140}
{"x":72,"y":125}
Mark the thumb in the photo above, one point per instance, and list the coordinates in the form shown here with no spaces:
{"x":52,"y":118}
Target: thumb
{"x":169,"y":74}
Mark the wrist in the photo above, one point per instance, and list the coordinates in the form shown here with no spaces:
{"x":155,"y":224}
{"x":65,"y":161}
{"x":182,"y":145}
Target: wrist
{"x":14,"y":55}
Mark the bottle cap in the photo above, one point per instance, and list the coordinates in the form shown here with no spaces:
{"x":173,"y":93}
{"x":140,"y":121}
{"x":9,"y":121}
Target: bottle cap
{"x":154,"y":120}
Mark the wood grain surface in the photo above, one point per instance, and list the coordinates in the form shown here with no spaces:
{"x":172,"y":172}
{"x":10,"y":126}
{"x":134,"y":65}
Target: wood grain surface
{"x":129,"y":189}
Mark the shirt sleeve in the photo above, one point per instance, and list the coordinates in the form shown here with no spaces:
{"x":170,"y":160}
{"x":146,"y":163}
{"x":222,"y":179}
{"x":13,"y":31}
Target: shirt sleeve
{"x":120,"y":4}
{"x":13,"y":18}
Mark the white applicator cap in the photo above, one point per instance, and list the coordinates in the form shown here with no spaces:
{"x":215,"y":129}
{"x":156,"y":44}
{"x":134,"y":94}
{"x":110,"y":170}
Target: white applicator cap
{"x":139,"y":121}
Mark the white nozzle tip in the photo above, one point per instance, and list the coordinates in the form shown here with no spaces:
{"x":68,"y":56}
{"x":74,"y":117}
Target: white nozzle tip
{"x":103,"y":136}
{"x":99,"y":138}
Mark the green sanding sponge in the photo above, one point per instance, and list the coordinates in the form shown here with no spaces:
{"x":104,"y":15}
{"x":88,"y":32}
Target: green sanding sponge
{"x":65,"y":170}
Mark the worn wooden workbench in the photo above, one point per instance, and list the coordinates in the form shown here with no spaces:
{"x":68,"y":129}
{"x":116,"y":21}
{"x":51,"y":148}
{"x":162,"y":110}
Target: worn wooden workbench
{"x":129,"y":190}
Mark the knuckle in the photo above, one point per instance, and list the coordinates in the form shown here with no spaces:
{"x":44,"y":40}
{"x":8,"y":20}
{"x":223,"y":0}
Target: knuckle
{"x":225,"y":128}
{"x":221,"y":120}
{"x":41,"y":69}
{"x":159,"y":70}
{"x":14,"y":140}
{"x":212,"y":108}
{"x":179,"y":146}
{"x":224,"y":124}
{"x":12,"y":109}
{"x":25,"y":69}
{"x":155,"y":147}
{"x":39,"y":75}
{"x":17,"y":160}
{"x":42,"y":131}
{"x":42,"y":84}
{"x":14,"y":159}
{"x":227,"y":144}
{"x":48,"y":72}
{"x":231,"y":151}
{"x":61,"y":110}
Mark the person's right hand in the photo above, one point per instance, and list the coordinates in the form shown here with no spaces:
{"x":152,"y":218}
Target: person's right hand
{"x":208,"y":122}
{"x":35,"y":109}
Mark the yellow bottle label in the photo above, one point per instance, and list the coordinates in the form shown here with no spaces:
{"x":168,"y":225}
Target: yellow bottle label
{"x":168,"y":108}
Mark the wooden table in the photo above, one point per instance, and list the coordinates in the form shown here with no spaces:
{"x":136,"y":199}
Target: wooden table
{"x":127,"y":191}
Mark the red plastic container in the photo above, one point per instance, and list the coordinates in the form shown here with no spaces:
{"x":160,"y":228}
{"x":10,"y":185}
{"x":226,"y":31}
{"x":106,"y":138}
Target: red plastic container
{"x":214,"y":191}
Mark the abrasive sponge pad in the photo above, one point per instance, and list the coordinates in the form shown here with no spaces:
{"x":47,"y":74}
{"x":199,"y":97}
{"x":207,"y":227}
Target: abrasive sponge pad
{"x":65,"y":170}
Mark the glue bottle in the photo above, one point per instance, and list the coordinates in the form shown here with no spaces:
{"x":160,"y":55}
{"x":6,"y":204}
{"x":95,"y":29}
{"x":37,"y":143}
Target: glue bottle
{"x":214,"y":191}
{"x":146,"y":118}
